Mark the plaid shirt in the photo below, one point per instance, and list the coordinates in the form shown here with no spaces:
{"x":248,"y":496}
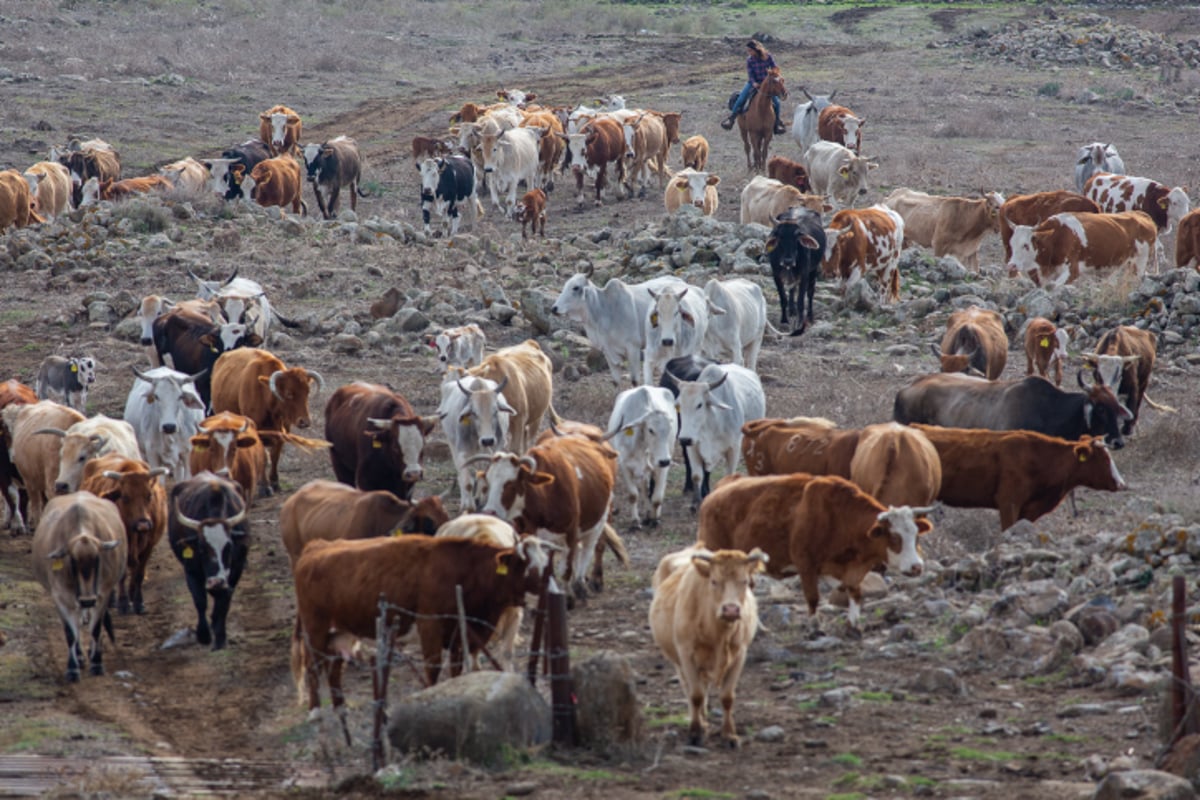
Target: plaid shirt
{"x":756,"y":68}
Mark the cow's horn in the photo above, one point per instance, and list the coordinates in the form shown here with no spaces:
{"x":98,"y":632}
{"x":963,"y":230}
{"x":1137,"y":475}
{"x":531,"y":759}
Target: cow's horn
{"x":236,"y":519}
{"x":382,"y":424}
{"x":231,"y":277}
{"x":923,"y":510}
{"x":55,"y":431}
{"x":554,"y":429}
{"x":316,"y":376}
{"x":806,"y":94}
{"x":718,"y":381}
{"x":1129,"y":359}
{"x":528,"y":461}
{"x":196,"y":278}
{"x":245,"y":425}
{"x":194,"y":378}
{"x":500,"y":386}
{"x":1079,"y":377}
{"x":759,"y":556}
{"x":832,"y":95}
{"x":59,"y":553}
{"x":590,"y":271}
{"x":481,"y":457}
{"x":154,"y":473}
{"x":98,"y":440}
{"x":113,"y":475}
{"x":1089,"y":358}
{"x":275,"y":377}
{"x":703,"y":555}
{"x":610,"y":434}
{"x":187,"y":521}
{"x":141,"y":374}
{"x":462,"y":388}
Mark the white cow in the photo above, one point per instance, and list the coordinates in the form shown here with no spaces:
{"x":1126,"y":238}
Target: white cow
{"x":735,"y":335}
{"x":470,"y":412}
{"x":712,"y":410}
{"x":836,"y":172}
{"x":648,"y":425}
{"x":675,"y":325}
{"x":1093,"y":158}
{"x":689,"y":187}
{"x":612,"y":317}
{"x":188,"y":174}
{"x":241,"y":300}
{"x":510,"y":157}
{"x":460,"y":347}
{"x":808,"y":115}
{"x":92,"y":438}
{"x":165,"y":411}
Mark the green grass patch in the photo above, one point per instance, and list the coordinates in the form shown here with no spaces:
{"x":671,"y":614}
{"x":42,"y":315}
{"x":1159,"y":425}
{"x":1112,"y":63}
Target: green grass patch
{"x":921,"y":780}
{"x":878,"y":697}
{"x":591,"y":775}
{"x":702,"y":793}
{"x":846,"y":796}
{"x":971,"y":754}
{"x":29,"y":736}
{"x":820,"y":686}
{"x":847,"y":780}
{"x":847,"y":760}
{"x":807,"y":705}
{"x":682,"y":720}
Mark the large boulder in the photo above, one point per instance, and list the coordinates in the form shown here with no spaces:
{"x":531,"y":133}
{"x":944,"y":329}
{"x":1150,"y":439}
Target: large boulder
{"x":482,"y":717}
{"x":608,"y":713}
{"x":1144,"y":784}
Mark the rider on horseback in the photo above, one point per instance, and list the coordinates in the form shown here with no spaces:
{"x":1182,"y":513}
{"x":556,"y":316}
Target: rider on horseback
{"x":757,"y":64}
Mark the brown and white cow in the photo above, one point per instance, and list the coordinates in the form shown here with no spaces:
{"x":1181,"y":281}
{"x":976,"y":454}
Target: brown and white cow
{"x":79,"y":558}
{"x":528,"y":380}
{"x":550,"y":147}
{"x":949,"y":226}
{"x":228,"y":444}
{"x":694,"y":151}
{"x":1058,"y":250}
{"x":1117,"y":193}
{"x":532,"y":209}
{"x":598,"y":143}
{"x":37,"y":456}
{"x":95,"y":189}
{"x":1123,"y":361}
{"x":862,"y":243}
{"x":50,"y":184}
{"x":789,"y":173}
{"x":334,"y":164}
{"x":816,"y":525}
{"x":765,"y":199}
{"x":974,"y":341}
{"x":1033,"y":209}
{"x":16,"y":203}
{"x":691,"y":188}
{"x":896,"y":465}
{"x":424,"y":147}
{"x":94,"y":158}
{"x":257,"y":385}
{"x":1045,"y":346}
{"x":703,"y":617}
{"x":1022,"y":474}
{"x":279,"y":128}
{"x":839,"y":124}
{"x":141,"y":501}
{"x":276,"y":182}
{"x":1187,"y":241}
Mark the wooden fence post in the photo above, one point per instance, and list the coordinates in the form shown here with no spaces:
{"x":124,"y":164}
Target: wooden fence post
{"x":562,"y":688}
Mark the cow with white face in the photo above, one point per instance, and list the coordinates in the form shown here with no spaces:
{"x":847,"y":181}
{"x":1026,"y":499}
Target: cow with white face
{"x":470,"y":414}
{"x":712,"y":410}
{"x":675,"y":325}
{"x":737,"y":321}
{"x":642,"y":429}
{"x":509,"y":157}
{"x":837,"y":172}
{"x":241,"y":300}
{"x":806,"y":120}
{"x":165,"y":411}
{"x":460,"y":347}
{"x":1093,"y":158}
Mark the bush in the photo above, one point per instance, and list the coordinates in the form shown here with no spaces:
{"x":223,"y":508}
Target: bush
{"x":1050,"y":89}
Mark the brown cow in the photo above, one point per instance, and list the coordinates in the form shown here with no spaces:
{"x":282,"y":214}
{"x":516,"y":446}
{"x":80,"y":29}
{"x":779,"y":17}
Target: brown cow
{"x":12,"y":392}
{"x":277,"y":182}
{"x":803,"y":444}
{"x":840,"y":125}
{"x":279,"y":128}
{"x":527,"y":377}
{"x":123,"y":190}
{"x":1045,"y":345}
{"x":647,"y":150}
{"x":1022,"y":474}
{"x":703,"y":618}
{"x":896,"y":465}
{"x":94,"y":158}
{"x":789,"y":173}
{"x":16,"y":203}
{"x":338,"y":587}
{"x":974,"y":342}
{"x":550,"y":147}
{"x":598,"y":143}
{"x":695,"y":153}
{"x":950,"y":226}
{"x":1187,"y":241}
{"x":1032,"y":209}
{"x":862,"y":243}
{"x":424,"y":147}
{"x":1058,"y":250}
{"x":818,"y":525}
{"x":229,"y":444}
{"x":256,"y":384}
{"x":36,"y":455}
{"x":532,"y":209}
{"x":1123,"y":361}
{"x":141,"y":501}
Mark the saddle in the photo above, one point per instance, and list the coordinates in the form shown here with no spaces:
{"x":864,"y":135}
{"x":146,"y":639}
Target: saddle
{"x":733,"y":99}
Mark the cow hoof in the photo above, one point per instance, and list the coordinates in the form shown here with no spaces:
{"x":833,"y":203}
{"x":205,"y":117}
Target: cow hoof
{"x":652,"y":523}
{"x":731,"y":742}
{"x":203,"y":636}
{"x":97,"y":669}
{"x":72,"y":676}
{"x":696,"y":738}
{"x":123,"y":607}
{"x":796,"y":332}
{"x":139,"y":608}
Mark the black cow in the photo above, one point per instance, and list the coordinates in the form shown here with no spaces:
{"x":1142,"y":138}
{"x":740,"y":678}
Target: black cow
{"x":795,"y":249}
{"x":209,"y":535}
{"x":334,"y":164}
{"x":233,"y":165}
{"x":682,"y":368}
{"x":446,"y":182}
{"x":955,"y":400}
{"x":195,"y":342}
{"x":378,"y":440}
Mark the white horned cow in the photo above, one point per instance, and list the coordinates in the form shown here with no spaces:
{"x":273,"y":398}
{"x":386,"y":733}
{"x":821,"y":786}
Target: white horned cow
{"x":1093,"y":158}
{"x":735,"y":333}
{"x":674,"y":325}
{"x":712,"y":410}
{"x":470,"y":415}
{"x":837,"y":172}
{"x":642,"y":429}
{"x":806,"y":120}
{"x":612,"y":317}
{"x":165,"y":411}
{"x":510,"y":157}
{"x":241,"y":300}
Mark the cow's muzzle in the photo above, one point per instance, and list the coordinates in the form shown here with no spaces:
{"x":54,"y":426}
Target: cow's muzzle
{"x":146,"y":342}
{"x":731,"y":612}
{"x":664,"y":462}
{"x":87,"y":602}
{"x":215,"y":584}
{"x":61,"y":488}
{"x":303,"y":422}
{"x":413,"y":474}
{"x":168,"y":427}
{"x":143,"y":525}
{"x":487,"y":442}
{"x":668,"y":342}
{"x":914,"y":571}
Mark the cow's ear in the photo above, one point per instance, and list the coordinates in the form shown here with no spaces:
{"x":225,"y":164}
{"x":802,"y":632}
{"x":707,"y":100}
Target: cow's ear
{"x":688,"y":318}
{"x":540,"y":478}
{"x":1083,"y":451}
{"x":198,"y":442}
{"x":264,"y":379}
{"x":703,"y":566}
{"x":193,"y":402}
{"x":772,"y":243}
{"x":923,"y":526}
{"x":879,"y":529}
{"x":713,"y":180}
{"x":247,"y":441}
{"x":252,"y":340}
{"x":208,"y":340}
{"x":427,"y":424}
{"x":112,"y":496}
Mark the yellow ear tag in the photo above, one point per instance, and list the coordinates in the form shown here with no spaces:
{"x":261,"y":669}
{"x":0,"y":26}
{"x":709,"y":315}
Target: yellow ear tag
{"x":629,"y":431}
{"x":396,"y":533}
{"x":378,"y":445}
{"x":1044,"y":342}
{"x":502,"y":569}
{"x":678,"y":410}
{"x":465,"y":419}
{"x":1082,"y":457}
{"x":188,"y":552}
{"x":56,"y":564}
{"x":843,"y":172}
{"x":200,"y":446}
{"x":74,"y":368}
{"x":654,"y":320}
{"x":215,"y":350}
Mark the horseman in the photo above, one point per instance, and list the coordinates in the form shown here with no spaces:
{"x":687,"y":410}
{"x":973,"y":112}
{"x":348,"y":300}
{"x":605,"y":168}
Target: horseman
{"x":758,"y":61}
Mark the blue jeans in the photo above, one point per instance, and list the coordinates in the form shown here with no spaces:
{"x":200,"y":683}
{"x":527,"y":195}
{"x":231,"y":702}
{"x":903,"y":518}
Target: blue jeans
{"x":739,"y":105}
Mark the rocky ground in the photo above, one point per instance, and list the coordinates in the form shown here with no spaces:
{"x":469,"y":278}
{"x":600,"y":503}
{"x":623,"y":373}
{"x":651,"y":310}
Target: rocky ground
{"x":1025,"y":664}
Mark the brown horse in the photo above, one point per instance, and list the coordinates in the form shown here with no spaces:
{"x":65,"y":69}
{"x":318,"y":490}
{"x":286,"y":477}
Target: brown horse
{"x":757,"y":123}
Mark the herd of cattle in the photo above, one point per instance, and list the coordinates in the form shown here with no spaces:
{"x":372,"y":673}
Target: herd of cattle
{"x":212,"y":412}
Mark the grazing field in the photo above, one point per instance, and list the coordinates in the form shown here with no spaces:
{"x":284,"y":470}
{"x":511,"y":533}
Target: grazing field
{"x":870,"y":714}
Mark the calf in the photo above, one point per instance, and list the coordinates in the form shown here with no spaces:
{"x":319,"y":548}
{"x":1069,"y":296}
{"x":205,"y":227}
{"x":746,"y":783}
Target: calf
{"x":63,"y":378}
{"x":862,"y":243}
{"x":795,"y":250}
{"x":644,"y":427}
{"x":446,"y":182}
{"x":280,"y":129}
{"x":694,"y":151}
{"x":1021,"y":474}
{"x":79,"y":553}
{"x":460,"y":347}
{"x":276,"y":182}
{"x":703,"y":618}
{"x":837,"y":172}
{"x":209,"y":535}
{"x":838,"y":124}
{"x":1045,"y":346}
{"x":949,"y":226}
{"x":735,"y":332}
{"x":334,"y":164}
{"x":228,"y":445}
{"x":1033,"y":209}
{"x":141,"y":502}
{"x":37,"y":457}
{"x":712,"y":410}
{"x":789,"y":173}
{"x":1058,"y":250}
{"x":817,"y":525}
{"x":532,"y":209}
{"x":689,"y":187}
{"x":424,"y":147}
{"x":974,"y":342}
{"x":1123,"y":361}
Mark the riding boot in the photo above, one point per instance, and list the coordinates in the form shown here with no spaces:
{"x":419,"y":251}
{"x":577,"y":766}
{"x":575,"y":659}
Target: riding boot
{"x":727,"y":123}
{"x":779,"y":126}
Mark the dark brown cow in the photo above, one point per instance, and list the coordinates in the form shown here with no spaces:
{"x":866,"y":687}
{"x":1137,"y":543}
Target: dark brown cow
{"x":1123,"y":361}
{"x":1032,"y":209}
{"x":141,"y":501}
{"x":1187,"y":241}
{"x":597,"y":144}
{"x":334,"y":164}
{"x":974,"y":341}
{"x":424,"y":147}
{"x":789,"y":173}
{"x":1023,"y":475}
{"x":279,"y":128}
{"x":803,"y":444}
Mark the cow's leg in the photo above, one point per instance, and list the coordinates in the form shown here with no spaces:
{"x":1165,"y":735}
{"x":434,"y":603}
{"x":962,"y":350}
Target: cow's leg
{"x":729,"y":682}
{"x":658,"y":490}
{"x":137,"y":578}
{"x":122,"y":594}
{"x":95,"y":651}
{"x":16,"y":522}
{"x":809,"y":579}
{"x":854,"y":590}
{"x":353,"y":189}
{"x":275,"y":449}
{"x":579,"y":175}
{"x":333,"y":199}
{"x":429,"y":632}
{"x":783,"y":299}
{"x":316,"y":187}
{"x":585,"y":555}
{"x":750,"y":353}
{"x":73,"y":650}
{"x":601,"y":182}
{"x":697,"y":694}
{"x":200,"y":601}
{"x":689,"y":481}
{"x":221,"y":600}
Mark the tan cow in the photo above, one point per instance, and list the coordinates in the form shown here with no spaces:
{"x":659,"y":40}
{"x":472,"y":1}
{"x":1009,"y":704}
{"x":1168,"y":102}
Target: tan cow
{"x":949,"y":226}
{"x":526,"y":375}
{"x":16,"y":204}
{"x":1032,"y":209}
{"x":897,"y":465}
{"x":229,"y":444}
{"x":1187,"y":241}
{"x":1059,"y":249}
{"x":764,"y":199}
{"x":689,"y":187}
{"x":974,"y":341}
{"x":695,"y":152}
{"x":188,"y":175}
{"x":550,"y":147}
{"x":50,"y":184}
{"x":646,"y":148}
{"x":89,"y":439}
{"x":703,"y":618}
{"x":36,"y":456}
{"x":862,"y":243}
{"x":1045,"y":346}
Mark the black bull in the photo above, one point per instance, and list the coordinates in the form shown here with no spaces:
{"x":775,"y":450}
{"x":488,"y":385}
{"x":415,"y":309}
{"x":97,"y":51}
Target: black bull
{"x":954,"y":400}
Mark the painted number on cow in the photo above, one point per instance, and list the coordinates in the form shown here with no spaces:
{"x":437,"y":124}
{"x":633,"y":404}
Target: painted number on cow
{"x":378,"y":445}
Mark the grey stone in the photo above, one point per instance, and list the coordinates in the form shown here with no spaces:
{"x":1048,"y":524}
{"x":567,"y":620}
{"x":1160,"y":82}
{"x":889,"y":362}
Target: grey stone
{"x":1146,"y":784}
{"x":1067,"y":632}
{"x":492,"y":292}
{"x":99,"y":313}
{"x":501,"y":312}
{"x":1037,"y":303}
{"x":409,"y":320}
{"x":770,"y":734}
{"x":1129,"y":639}
{"x":346,"y":343}
{"x":861,"y":297}
{"x":480,"y":717}
{"x":128,"y":329}
{"x":536,"y":305}
{"x":608,"y":712}
{"x":838,"y":698}
{"x":938,"y":680}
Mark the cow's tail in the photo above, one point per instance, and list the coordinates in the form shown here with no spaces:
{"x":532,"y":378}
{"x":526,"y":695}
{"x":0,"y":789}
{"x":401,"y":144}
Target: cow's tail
{"x":304,"y":443}
{"x":771,"y":329}
{"x":555,"y":419}
{"x":287,"y":323}
{"x":299,"y":667}
{"x":1158,"y":406}
{"x":613,"y":540}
